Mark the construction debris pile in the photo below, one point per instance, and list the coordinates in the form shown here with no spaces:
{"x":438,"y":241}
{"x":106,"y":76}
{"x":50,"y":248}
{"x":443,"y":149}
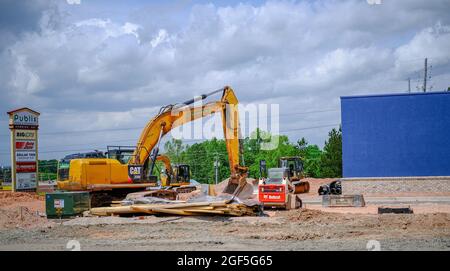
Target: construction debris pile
{"x":195,"y":203}
{"x":224,"y":207}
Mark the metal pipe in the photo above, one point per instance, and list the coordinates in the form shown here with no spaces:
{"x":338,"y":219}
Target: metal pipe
{"x":201,"y":97}
{"x":156,"y":151}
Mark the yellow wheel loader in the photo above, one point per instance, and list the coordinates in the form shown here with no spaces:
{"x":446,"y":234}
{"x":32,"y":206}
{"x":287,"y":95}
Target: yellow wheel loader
{"x":112,"y":178}
{"x":294,"y":166}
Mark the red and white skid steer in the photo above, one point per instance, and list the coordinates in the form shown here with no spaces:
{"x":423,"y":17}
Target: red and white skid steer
{"x":278,"y":190}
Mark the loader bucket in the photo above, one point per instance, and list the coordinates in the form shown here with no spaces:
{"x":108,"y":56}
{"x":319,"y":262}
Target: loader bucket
{"x":302,"y":187}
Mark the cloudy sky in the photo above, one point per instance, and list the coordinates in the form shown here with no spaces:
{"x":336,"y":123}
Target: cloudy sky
{"x":102,"y":68}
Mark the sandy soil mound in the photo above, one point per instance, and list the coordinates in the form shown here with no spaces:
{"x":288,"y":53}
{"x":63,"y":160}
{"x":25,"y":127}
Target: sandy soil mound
{"x":308,"y":215}
{"x":9,"y":198}
{"x":21,"y":210}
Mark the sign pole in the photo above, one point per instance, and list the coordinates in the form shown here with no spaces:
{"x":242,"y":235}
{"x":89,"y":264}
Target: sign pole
{"x":37,"y":161}
{"x":13,"y":161}
{"x":24,"y":125}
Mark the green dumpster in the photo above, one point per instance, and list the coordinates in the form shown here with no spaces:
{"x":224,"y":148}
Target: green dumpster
{"x":66,"y":204}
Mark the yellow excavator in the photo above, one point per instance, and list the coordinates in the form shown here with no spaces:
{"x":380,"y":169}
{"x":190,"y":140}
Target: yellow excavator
{"x":111,"y":179}
{"x":174,"y":175}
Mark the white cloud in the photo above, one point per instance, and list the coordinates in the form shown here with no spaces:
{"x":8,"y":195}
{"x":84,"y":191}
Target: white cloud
{"x":73,"y":2}
{"x":432,"y":42}
{"x":25,"y":79}
{"x":159,"y":38}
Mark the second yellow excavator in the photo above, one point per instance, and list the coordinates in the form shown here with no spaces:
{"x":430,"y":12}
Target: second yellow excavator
{"x":114,"y":178}
{"x":174,"y":175}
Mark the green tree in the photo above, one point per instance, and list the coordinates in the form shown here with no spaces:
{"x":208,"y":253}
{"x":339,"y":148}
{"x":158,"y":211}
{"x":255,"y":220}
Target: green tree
{"x":48,"y":166}
{"x":312,"y":161}
{"x":302,"y":144}
{"x":174,"y":149}
{"x":331,"y":160}
{"x":311,"y":156}
{"x":201,"y":158}
{"x":253,"y":151}
{"x":47,"y":169}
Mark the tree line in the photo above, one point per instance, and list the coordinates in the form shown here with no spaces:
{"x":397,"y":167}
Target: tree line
{"x":318,"y":163}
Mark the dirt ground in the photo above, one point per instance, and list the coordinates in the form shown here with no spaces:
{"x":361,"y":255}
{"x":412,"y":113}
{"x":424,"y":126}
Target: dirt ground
{"x":23,"y":227}
{"x":21,"y":210}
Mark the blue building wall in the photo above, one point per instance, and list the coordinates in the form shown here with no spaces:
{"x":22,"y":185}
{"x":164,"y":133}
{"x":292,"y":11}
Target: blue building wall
{"x":396,"y":135}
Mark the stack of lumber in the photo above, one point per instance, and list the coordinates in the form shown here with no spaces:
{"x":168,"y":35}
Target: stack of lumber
{"x":225,"y":208}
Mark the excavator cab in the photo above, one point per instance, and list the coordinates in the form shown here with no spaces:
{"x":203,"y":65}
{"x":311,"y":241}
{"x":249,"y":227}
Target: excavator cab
{"x":173,"y":175}
{"x":120,"y":153}
{"x":182,"y":173}
{"x":123,"y":154}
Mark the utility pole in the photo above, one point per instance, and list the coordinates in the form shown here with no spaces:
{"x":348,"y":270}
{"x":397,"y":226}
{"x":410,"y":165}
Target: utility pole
{"x":425,"y":76}
{"x":409,"y":85}
{"x":216,"y":168}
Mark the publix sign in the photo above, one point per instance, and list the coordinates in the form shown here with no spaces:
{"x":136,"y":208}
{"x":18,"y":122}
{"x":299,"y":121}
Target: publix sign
{"x":24,"y":124}
{"x":25,"y":118}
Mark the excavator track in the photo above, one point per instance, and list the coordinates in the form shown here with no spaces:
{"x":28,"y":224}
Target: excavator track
{"x":187,"y":189}
{"x":101,"y":199}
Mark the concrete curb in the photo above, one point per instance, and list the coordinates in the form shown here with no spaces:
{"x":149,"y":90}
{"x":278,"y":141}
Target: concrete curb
{"x":391,"y":200}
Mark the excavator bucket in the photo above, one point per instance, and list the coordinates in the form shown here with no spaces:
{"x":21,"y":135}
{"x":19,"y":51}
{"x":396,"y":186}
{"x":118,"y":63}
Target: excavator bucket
{"x":230,"y":188}
{"x":241,"y":190}
{"x":237,"y":183}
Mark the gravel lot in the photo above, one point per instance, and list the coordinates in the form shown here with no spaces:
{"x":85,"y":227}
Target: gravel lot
{"x":314,"y":228}
{"x":293,"y":230}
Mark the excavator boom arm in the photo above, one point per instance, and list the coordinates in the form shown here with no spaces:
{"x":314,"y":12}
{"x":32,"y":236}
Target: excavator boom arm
{"x":173,"y":116}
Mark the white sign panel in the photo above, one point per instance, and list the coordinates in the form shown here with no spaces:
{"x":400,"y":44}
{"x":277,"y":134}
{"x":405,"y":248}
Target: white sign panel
{"x":25,"y":134}
{"x":25,"y":156}
{"x":25,"y":181}
{"x":58,"y":203}
{"x":25,"y":118}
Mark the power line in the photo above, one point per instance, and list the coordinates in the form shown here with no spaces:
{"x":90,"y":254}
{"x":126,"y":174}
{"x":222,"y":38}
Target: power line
{"x":189,"y":140}
{"x":186,"y":140}
{"x":308,"y":112}
{"x":91,"y":131}
{"x":140,"y":128}
{"x":85,"y":131}
{"x":309,"y":128}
